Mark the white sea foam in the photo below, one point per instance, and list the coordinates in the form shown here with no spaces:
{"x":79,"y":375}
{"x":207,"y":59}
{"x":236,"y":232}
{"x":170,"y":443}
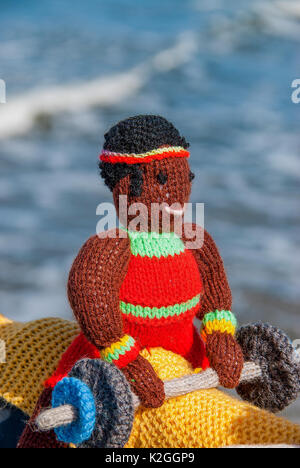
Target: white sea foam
{"x":287,"y":163}
{"x":280,"y":18}
{"x":290,"y":7}
{"x":19,"y":114}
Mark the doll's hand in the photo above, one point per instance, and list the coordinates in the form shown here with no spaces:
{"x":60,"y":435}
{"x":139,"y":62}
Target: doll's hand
{"x":144,"y":382}
{"x":225,"y":357}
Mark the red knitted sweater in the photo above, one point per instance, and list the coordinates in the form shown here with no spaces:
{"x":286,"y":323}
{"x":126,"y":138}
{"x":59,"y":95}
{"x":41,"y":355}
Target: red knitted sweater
{"x":159,"y":299}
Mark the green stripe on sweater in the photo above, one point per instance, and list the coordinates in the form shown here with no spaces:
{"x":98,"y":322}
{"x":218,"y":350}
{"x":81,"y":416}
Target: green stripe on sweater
{"x":153,"y":244}
{"x":220,"y":315}
{"x":158,"y":313}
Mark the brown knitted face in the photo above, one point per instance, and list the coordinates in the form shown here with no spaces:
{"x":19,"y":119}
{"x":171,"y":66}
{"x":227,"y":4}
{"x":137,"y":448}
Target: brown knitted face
{"x":166,"y":181}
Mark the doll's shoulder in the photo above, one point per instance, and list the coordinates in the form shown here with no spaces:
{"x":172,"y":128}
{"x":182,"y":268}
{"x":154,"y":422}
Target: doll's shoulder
{"x":107,"y":243}
{"x":201,"y":244}
{"x":195,"y":237}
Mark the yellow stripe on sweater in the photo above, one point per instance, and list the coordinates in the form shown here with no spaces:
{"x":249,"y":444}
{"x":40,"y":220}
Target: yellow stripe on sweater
{"x":222,"y":326}
{"x":125,"y":343}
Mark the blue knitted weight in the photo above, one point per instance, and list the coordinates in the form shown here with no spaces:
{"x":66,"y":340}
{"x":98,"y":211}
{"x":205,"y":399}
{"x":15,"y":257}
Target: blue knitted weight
{"x":113,"y":399}
{"x":75,"y":392}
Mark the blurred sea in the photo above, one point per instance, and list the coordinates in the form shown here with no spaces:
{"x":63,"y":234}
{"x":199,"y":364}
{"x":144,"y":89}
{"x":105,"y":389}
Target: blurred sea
{"x":221,"y":70}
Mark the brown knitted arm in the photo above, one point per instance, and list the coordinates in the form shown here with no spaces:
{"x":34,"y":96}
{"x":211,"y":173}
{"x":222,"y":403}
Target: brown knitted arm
{"x":217,"y":293}
{"x":223,"y":352}
{"x":93,"y":289}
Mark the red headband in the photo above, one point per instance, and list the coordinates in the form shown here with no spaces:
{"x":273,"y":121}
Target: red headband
{"x":132,"y":158}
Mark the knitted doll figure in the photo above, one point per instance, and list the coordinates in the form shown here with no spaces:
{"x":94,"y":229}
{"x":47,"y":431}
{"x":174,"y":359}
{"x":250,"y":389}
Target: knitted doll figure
{"x":137,"y":289}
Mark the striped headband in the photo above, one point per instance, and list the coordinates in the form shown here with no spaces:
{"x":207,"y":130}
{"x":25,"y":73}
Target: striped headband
{"x":132,"y":158}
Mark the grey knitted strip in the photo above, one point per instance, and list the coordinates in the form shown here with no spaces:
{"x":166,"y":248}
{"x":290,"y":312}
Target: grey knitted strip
{"x":56,"y":417}
{"x":206,"y":379}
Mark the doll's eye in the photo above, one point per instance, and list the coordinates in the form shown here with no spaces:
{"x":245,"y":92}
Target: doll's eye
{"x":191,"y":176}
{"x":162,"y":178}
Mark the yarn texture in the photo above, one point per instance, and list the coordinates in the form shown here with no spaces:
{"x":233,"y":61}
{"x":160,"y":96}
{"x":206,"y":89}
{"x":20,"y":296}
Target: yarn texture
{"x":207,"y":418}
{"x":271,"y":349}
{"x":78,"y":394}
{"x":122,"y":352}
{"x":30,"y":438}
{"x":33,"y":351}
{"x":113,"y":404}
{"x":144,"y":290}
{"x":157,"y":154}
{"x":141,"y":134}
{"x":223,"y":321}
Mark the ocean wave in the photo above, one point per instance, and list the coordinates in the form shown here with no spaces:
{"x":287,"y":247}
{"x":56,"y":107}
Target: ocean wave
{"x":280,"y":18}
{"x":291,"y":8}
{"x":20,"y":113}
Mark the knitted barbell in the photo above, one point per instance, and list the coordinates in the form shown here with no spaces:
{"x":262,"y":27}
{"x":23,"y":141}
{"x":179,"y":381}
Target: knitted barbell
{"x":66,"y":414}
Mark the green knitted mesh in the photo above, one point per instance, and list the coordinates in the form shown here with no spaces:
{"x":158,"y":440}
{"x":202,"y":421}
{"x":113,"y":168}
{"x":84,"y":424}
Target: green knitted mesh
{"x":153,"y":244}
{"x":162,"y":312}
{"x":120,"y":351}
{"x":220,"y":315}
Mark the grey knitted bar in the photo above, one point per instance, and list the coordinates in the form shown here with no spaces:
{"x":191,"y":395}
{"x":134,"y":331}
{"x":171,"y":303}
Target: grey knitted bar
{"x":56,"y":417}
{"x":64,"y":415}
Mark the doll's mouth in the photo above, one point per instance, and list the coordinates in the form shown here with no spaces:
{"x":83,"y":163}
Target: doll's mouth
{"x":172,"y":211}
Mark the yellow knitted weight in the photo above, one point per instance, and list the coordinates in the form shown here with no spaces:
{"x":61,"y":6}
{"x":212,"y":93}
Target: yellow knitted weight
{"x":206,"y":418}
{"x":33,"y":350}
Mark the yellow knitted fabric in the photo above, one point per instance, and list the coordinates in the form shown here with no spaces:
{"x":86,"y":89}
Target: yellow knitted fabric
{"x":206,"y":418}
{"x":33,"y":350}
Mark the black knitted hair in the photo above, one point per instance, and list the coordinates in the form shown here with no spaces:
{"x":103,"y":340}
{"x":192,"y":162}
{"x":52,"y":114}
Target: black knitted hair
{"x":112,"y":173}
{"x":141,"y":134}
{"x":137,"y":135}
